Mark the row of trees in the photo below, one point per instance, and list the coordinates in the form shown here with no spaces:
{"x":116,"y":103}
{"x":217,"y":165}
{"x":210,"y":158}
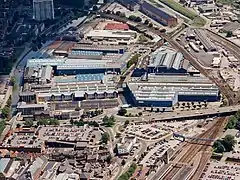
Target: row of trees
{"x":224,"y":145}
{"x":81,"y":123}
{"x":234,"y":122}
{"x":129,"y":173}
{"x":6,"y":111}
{"x":2,"y":126}
{"x":90,"y":114}
{"x":105,"y":138}
{"x":109,"y":121}
{"x":50,"y":121}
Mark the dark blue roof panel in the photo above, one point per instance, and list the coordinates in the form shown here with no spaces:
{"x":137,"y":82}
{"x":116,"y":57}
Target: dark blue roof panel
{"x":156,"y":11}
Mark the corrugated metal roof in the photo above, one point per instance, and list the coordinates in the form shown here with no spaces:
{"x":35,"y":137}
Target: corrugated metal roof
{"x":156,"y":11}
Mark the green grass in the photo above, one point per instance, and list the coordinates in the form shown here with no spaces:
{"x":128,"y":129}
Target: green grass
{"x":197,"y":20}
{"x":227,"y":2}
{"x":2,"y":126}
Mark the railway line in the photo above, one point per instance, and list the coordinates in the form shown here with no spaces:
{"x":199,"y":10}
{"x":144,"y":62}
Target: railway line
{"x":193,"y":150}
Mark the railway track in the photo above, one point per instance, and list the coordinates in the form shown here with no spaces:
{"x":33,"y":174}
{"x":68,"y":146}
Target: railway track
{"x":194,"y":149}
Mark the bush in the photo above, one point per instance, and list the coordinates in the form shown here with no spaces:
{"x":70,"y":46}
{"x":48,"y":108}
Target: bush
{"x":229,"y":34}
{"x":122,"y":111}
{"x":105,"y":138}
{"x":133,"y":60}
{"x":28,"y":123}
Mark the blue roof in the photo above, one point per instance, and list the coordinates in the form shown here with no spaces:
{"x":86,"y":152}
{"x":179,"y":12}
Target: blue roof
{"x":156,"y":11}
{"x":82,"y":78}
{"x":89,"y":77}
{"x":86,"y":53}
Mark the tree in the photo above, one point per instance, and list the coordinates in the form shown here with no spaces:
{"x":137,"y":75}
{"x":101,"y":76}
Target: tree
{"x":229,"y":34}
{"x":112,"y":118}
{"x":95,"y":8}
{"x":28,"y":123}
{"x":218,"y":147}
{"x":150,"y":25}
{"x":77,"y":108}
{"x":105,"y":138}
{"x":54,"y":122}
{"x":18,"y":125}
{"x":146,"y":22}
{"x":232,"y":121}
{"x":5,"y":112}
{"x":126,"y":122}
{"x":123,"y":162}
{"x":71,"y":121}
{"x":140,"y":113}
{"x":132,"y":18}
{"x":43,"y":122}
{"x":118,"y":13}
{"x":228,"y":142}
{"x":138,"y":19}
{"x":122,"y":111}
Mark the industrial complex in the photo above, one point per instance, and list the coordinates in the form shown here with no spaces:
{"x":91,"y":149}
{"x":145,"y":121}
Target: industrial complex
{"x":121,"y":90}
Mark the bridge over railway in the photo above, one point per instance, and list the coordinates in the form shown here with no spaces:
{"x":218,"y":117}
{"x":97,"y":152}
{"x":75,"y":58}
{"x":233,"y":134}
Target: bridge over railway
{"x":190,"y":115}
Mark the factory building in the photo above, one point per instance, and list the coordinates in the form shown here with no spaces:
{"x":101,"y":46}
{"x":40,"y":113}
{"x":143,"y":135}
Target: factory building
{"x":89,"y":90}
{"x":133,"y":5}
{"x":209,"y":46}
{"x":167,"y":90}
{"x":166,"y":60}
{"x":99,"y":48}
{"x":208,"y":8}
{"x":65,"y":66}
{"x":158,"y":15}
{"x":116,"y":26}
{"x":116,"y":36}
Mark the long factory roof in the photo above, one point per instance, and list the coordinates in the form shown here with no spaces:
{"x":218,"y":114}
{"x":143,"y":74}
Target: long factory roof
{"x":156,"y":10}
{"x":65,"y":63}
{"x":168,"y":58}
{"x":167,"y":85}
{"x":205,"y":40}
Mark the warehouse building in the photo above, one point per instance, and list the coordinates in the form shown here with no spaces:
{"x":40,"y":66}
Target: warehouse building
{"x":209,"y":46}
{"x":167,"y":60}
{"x":158,"y":15}
{"x":167,"y":90}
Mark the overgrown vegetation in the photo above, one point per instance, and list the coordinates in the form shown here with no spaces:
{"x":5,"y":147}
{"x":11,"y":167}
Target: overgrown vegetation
{"x":129,"y":173}
{"x":234,"y":122}
{"x":6,"y":111}
{"x":105,"y":138}
{"x":133,"y":60}
{"x":224,"y":145}
{"x":197,"y":20}
{"x":49,"y":121}
{"x":108,"y":121}
{"x":2,"y":126}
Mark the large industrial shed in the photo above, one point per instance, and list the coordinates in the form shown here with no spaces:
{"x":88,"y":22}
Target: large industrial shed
{"x":167,"y":90}
{"x":166,"y":60}
{"x":209,"y":46}
{"x":158,"y":15}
